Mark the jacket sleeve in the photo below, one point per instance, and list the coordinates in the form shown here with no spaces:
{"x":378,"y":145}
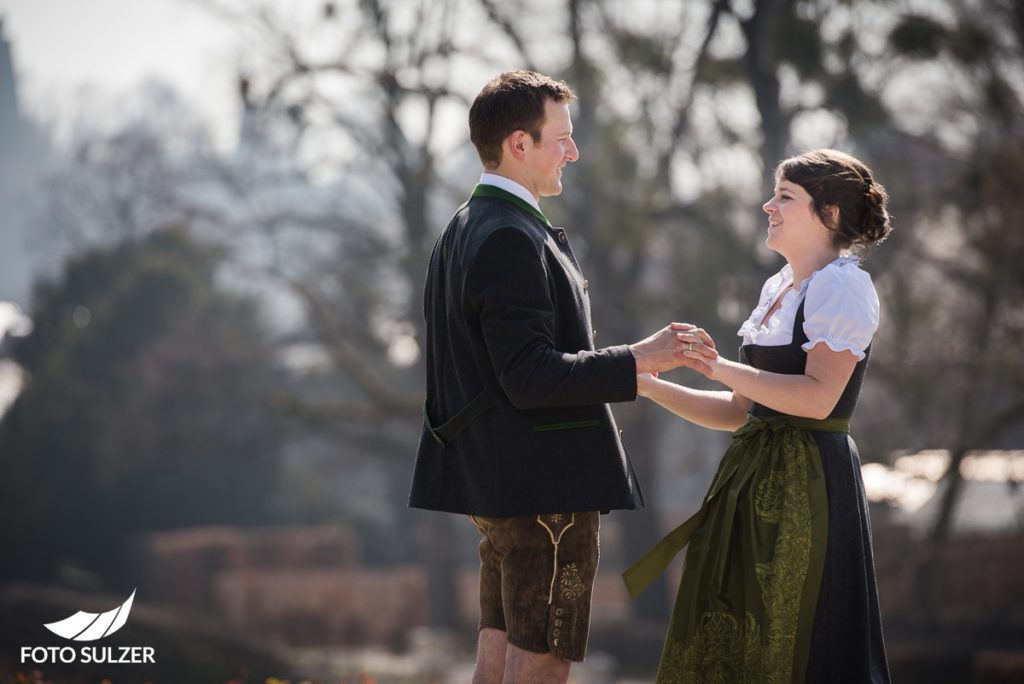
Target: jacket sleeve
{"x":507,"y":285}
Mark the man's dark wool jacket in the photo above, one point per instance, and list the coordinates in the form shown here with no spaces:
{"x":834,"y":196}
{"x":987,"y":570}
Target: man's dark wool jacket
{"x":508,"y":315}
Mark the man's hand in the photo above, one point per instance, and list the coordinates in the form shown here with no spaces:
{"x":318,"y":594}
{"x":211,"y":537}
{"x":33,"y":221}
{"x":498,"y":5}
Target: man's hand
{"x":666,"y":349}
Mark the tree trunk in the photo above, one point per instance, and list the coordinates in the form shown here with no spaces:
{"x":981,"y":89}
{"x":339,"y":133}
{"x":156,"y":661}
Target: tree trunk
{"x":762,"y":71}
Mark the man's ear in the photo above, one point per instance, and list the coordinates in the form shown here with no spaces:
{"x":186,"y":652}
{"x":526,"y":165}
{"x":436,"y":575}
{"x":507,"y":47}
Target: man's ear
{"x":515,"y":144}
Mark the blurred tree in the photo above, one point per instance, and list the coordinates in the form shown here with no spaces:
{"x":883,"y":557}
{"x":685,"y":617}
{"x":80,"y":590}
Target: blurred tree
{"x":959,"y":285}
{"x":145,"y":409}
{"x":624,"y":215}
{"x":351,"y":100}
{"x":670,"y":175}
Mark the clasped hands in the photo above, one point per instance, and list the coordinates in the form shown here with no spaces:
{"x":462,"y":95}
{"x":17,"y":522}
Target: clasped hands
{"x":674,"y":346}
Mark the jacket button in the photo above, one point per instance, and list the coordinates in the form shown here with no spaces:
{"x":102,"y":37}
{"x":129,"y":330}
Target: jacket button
{"x":593,"y":333}
{"x":563,"y":238}
{"x":620,"y":433}
{"x":586,"y":285}
{"x":558,"y":611}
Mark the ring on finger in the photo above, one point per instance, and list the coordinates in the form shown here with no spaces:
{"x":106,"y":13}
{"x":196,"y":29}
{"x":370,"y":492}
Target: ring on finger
{"x":690,"y":348}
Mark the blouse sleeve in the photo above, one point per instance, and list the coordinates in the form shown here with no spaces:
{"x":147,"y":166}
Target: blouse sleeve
{"x":841,"y":309}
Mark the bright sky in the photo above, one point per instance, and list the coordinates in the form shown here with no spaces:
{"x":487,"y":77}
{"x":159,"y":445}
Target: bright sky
{"x":69,"y":51}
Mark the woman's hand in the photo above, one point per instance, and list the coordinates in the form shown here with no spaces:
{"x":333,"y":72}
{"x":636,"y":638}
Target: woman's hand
{"x":645,"y":382}
{"x":709,"y":368}
{"x":699,"y":347}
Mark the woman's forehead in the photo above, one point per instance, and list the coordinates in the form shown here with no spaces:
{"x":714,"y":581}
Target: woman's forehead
{"x":784,"y":184}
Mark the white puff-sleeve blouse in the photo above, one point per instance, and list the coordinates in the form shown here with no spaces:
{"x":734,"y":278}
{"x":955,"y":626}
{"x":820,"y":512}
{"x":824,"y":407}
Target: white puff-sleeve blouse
{"x":841,"y":309}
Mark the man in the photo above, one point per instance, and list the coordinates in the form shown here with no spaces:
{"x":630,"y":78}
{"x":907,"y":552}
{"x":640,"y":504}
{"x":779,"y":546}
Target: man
{"x":518,"y":433}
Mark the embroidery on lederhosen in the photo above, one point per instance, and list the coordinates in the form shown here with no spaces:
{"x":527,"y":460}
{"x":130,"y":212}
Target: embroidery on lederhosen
{"x":571,"y":584}
{"x":552,"y":522}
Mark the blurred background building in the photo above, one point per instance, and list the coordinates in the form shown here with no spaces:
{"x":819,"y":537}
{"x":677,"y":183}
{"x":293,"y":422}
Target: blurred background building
{"x":24,"y":153}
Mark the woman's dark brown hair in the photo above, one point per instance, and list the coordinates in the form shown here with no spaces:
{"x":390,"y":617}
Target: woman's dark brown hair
{"x":512,"y":101}
{"x":836,"y":179}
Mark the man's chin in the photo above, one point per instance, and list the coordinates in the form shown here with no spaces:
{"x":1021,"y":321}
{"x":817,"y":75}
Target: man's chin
{"x":553,"y":191}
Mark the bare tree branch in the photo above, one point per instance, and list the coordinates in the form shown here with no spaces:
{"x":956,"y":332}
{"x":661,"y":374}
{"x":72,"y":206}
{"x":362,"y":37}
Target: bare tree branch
{"x":511,"y":31}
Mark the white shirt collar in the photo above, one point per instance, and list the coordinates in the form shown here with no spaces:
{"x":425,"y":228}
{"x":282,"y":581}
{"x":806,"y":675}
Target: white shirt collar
{"x":509,"y":185}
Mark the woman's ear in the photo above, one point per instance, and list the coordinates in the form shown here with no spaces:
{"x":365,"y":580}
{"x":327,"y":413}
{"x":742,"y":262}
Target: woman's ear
{"x":831,"y":212}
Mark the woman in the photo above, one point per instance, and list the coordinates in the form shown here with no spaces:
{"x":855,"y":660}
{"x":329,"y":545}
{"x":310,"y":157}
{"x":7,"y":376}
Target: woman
{"x":779,"y":582}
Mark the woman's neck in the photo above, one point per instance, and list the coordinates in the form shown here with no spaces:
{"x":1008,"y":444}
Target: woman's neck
{"x":806,"y":264}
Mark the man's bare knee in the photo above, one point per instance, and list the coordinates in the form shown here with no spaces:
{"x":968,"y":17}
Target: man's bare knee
{"x":490,"y":656}
{"x":524,"y":667}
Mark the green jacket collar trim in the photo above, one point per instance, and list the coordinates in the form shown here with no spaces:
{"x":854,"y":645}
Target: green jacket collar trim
{"x":491,"y":191}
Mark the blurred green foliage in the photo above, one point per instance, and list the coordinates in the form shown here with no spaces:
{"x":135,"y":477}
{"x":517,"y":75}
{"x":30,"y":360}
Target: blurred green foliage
{"x":144,"y":409}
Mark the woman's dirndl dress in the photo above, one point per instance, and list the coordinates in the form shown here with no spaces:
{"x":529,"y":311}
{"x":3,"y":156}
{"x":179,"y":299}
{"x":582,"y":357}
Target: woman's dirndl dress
{"x":779,"y":580}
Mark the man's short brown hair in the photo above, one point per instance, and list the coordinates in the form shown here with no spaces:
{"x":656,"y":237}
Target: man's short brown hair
{"x":512,"y":101}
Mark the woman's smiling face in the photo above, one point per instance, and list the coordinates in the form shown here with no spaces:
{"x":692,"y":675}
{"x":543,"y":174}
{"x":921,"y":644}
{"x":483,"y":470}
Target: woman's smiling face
{"x":793,"y":225}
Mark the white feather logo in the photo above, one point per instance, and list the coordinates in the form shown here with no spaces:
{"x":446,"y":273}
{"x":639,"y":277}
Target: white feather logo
{"x":84,"y":626}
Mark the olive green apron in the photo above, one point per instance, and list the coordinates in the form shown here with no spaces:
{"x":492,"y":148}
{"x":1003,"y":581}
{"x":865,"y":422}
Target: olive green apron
{"x":756,"y":551}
